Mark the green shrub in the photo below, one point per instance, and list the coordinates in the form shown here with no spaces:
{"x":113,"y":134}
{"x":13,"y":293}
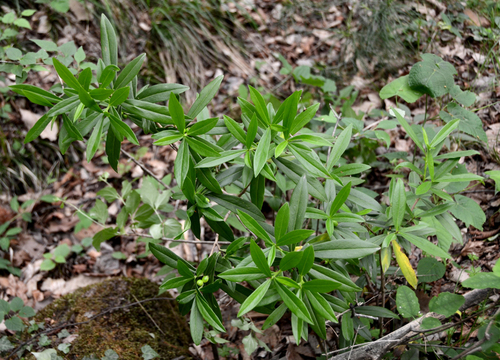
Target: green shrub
{"x":326,"y":228}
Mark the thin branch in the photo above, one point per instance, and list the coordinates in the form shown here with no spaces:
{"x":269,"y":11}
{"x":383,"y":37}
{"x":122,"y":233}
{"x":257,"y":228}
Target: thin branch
{"x":143,"y":167}
{"x":149,"y":316}
{"x":217,"y":242}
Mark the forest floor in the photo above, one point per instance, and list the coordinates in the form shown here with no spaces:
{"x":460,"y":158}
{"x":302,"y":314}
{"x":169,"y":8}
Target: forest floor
{"x":342,"y":43}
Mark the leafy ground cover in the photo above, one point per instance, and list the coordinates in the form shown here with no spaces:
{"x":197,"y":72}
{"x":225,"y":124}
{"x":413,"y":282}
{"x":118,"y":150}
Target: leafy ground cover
{"x":55,"y":243}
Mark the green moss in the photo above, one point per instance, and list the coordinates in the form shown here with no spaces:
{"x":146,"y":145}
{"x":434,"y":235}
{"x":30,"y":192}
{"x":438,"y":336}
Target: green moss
{"x":126,"y":330}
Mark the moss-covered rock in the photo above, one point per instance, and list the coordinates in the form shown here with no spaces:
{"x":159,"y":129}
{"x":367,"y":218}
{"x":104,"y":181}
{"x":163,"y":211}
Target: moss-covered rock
{"x":124,"y":330}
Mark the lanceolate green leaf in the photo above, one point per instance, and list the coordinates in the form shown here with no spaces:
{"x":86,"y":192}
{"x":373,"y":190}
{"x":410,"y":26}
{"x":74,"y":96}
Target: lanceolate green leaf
{"x":321,"y":285}
{"x":295,"y":304}
{"x":71,"y":129}
{"x":307,"y":261}
{"x":196,"y":324}
{"x":321,"y":272}
{"x":174,"y":283}
{"x":109,"y":44}
{"x":260,"y":105}
{"x":344,"y":249}
{"x":402,"y":121}
{"x":166,"y":256}
{"x":234,"y":204}
{"x":281,"y":223}
{"x":287,"y":111}
{"x":208,"y":314}
{"x":294,"y":237}
{"x":254,"y":227}
{"x":119,"y":96}
{"x":224,"y":157}
{"x":340,"y":199}
{"x":177,"y":113}
{"x":206,"y":95}
{"x":202,"y":127}
{"x":259,"y":258}
{"x":125,"y":130}
{"x":308,"y":159}
{"x":85,"y":78}
{"x":298,"y":205}
{"x":113,"y":146}
{"x":339,"y":147}
{"x":261,"y":154}
{"x":253,"y":300}
{"x":458,"y":178}
{"x":246,"y":273}
{"x":320,"y":305}
{"x":251,"y":132}
{"x":107,"y":76}
{"x":303,"y":118}
{"x":37,"y":129}
{"x":291,"y":260}
{"x":95,"y":139}
{"x":160,"y":92}
{"x":149,"y":111}
{"x":275,"y":316}
{"x":36,"y":98}
{"x":398,"y":202}
{"x":425,"y":245}
{"x":235,"y":129}
{"x":182,"y":162}
{"x":129,"y":72}
{"x":295,"y":172}
{"x":444,"y":132}
{"x":203,"y":147}
{"x":66,"y":75}
{"x":20,"y":88}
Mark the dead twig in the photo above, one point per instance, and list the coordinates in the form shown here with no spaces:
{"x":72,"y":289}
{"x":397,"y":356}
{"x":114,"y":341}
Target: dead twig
{"x":143,"y":167}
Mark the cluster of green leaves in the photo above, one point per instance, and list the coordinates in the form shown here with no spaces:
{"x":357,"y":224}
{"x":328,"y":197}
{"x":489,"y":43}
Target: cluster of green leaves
{"x":8,"y":232}
{"x":448,"y":304}
{"x":11,"y":313}
{"x":434,"y":77}
{"x":302,"y":75}
{"x":326,"y":228}
{"x":20,"y":62}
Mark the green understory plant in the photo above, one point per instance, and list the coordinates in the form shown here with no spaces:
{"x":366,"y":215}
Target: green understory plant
{"x":329,"y":238}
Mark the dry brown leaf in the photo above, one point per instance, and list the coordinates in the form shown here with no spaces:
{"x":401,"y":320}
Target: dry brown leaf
{"x":291,"y":352}
{"x":82,"y":13}
{"x":475,"y":19}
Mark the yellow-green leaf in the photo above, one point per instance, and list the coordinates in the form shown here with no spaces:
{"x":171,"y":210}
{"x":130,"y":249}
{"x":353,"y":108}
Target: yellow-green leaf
{"x":405,"y":265}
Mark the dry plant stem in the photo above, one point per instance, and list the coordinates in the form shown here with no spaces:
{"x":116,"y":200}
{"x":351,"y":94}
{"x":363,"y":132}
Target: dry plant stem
{"x":149,"y":316}
{"x":46,"y":331}
{"x":377,"y":349}
{"x":216,"y":243}
{"x":143,"y":167}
